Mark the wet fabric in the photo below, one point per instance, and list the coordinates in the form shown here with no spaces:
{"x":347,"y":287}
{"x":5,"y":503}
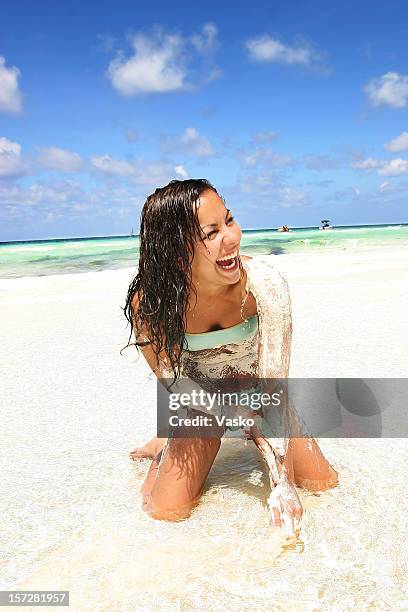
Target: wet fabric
{"x":268,"y":357}
{"x":213,"y":339}
{"x":229,"y":354}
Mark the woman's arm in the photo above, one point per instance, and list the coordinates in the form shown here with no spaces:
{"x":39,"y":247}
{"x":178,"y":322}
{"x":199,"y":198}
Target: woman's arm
{"x":157,"y":362}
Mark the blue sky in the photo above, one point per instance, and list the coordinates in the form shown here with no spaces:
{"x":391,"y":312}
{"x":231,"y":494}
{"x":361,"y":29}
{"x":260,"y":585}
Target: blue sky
{"x":295,"y":111}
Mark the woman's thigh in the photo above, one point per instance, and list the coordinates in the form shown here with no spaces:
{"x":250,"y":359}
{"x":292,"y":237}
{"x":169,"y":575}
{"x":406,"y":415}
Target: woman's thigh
{"x":180,"y":477}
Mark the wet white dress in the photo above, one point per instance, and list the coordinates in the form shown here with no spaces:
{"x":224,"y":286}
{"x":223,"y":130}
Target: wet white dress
{"x":262,"y":352}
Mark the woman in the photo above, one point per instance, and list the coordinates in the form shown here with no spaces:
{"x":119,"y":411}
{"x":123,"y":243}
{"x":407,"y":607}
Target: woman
{"x":194,"y":307}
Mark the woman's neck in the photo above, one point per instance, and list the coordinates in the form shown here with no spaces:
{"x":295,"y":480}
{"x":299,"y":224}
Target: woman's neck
{"x":207,"y":290}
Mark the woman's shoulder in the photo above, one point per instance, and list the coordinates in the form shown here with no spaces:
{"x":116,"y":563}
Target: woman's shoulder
{"x":140,"y":330}
{"x":260,"y":262}
{"x":135,"y":301}
{"x":257,"y":258}
{"x":263,"y":273}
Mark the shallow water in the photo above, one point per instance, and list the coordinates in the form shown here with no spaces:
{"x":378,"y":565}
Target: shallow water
{"x":226,"y":551}
{"x":74,"y":522}
{"x":64,"y":256}
{"x":73,"y":408}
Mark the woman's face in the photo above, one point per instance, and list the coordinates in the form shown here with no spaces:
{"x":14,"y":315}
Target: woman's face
{"x":221,"y":239}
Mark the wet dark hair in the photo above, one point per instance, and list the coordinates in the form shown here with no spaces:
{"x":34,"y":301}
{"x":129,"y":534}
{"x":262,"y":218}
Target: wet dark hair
{"x":169,"y":229}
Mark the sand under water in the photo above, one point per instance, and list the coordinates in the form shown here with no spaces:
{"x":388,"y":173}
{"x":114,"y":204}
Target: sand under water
{"x":73,"y":408}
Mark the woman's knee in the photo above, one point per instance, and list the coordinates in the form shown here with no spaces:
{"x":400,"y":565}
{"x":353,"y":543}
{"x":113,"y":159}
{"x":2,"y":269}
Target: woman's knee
{"x":179,"y":482}
{"x":319,"y":485}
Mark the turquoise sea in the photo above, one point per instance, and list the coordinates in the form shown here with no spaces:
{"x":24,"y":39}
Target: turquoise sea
{"x":61,"y":256}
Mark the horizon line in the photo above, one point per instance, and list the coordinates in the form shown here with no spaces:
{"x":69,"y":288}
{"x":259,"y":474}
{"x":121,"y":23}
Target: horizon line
{"x":260,"y":229}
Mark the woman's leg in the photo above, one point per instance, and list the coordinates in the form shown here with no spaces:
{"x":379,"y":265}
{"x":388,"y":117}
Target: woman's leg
{"x":311,"y":469}
{"x":305,"y":464}
{"x":177,"y":476}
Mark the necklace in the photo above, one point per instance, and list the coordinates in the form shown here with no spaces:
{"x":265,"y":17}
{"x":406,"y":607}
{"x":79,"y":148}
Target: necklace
{"x":242,"y":305}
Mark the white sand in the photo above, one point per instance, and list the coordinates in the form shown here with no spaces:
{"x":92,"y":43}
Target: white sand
{"x":73,"y":407}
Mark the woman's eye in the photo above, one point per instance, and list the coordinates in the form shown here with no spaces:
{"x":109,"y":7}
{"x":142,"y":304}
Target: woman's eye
{"x":213,"y":233}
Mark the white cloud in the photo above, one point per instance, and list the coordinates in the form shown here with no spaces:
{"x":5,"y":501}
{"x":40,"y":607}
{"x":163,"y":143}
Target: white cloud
{"x":324,"y":162}
{"x":110,"y":165}
{"x":384,"y":187}
{"x":206,"y":42}
{"x":10,"y":95}
{"x":400,"y":143}
{"x":11,"y":164}
{"x":394,"y":167}
{"x":160,"y":62}
{"x":267,"y":49}
{"x":189,"y":143}
{"x":141,"y":172}
{"x":155,"y":67}
{"x":66,"y":200}
{"x":291,"y":197}
{"x":212,"y":74}
{"x":263,"y":190}
{"x":181,"y":172}
{"x":390,"y":89}
{"x":367,"y":164}
{"x":264,"y":137}
{"x":60,"y":159}
{"x":8,"y":193}
{"x":196,"y":144}
{"x":39,"y":194}
{"x":384,"y":167}
{"x":265,"y":157}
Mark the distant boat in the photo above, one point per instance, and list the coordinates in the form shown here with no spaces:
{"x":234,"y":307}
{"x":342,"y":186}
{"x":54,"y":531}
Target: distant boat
{"x":284,"y":228}
{"x":132,"y":233}
{"x":325,"y":224}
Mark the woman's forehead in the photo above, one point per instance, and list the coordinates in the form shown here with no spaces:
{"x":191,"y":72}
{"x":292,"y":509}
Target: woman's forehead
{"x":210,"y":207}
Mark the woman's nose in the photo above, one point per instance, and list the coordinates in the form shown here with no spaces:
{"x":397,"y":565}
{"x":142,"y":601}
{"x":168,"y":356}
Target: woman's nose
{"x":232,"y":236}
{"x":230,"y":245}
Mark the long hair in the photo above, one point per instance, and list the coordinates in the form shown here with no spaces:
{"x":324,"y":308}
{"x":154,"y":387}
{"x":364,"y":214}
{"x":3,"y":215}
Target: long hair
{"x":169,"y":229}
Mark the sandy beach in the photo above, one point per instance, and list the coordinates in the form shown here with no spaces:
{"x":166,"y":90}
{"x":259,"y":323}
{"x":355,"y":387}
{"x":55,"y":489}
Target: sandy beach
{"x":73,"y":407}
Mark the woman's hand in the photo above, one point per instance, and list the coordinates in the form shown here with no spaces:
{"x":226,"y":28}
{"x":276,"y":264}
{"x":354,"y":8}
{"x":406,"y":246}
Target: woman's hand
{"x":284,"y":503}
{"x":285,"y":508}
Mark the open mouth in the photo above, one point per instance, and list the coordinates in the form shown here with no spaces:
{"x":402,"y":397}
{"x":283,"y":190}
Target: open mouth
{"x":228,"y":263}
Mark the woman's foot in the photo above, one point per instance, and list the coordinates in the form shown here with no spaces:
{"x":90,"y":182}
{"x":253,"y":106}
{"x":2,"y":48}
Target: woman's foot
{"x":149,"y":450}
